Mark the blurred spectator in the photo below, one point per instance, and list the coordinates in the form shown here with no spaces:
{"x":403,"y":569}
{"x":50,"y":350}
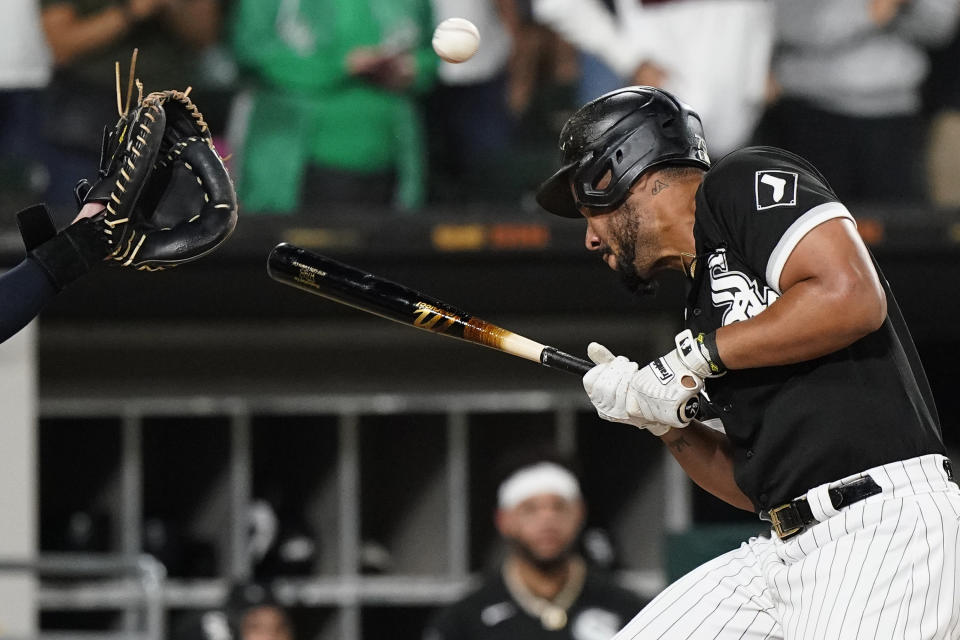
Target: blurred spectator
{"x":943,"y":106}
{"x":183,"y":553}
{"x":250,"y":613}
{"x":596,"y":78}
{"x":713,"y":54}
{"x":542,"y":80}
{"x":544,"y":589}
{"x":470,"y":120}
{"x":332,"y":114}
{"x":280,"y":542}
{"x":258,"y":615}
{"x":87,"y":37}
{"x":24,"y":71}
{"x":850,"y":74}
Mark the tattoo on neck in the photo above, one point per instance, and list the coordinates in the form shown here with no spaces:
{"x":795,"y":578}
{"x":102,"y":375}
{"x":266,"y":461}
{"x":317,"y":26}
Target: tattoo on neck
{"x":659,"y":186}
{"x":679,"y":444}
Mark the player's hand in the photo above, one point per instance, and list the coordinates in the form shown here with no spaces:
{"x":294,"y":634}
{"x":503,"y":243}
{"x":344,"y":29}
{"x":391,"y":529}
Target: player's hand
{"x":650,"y":74}
{"x":882,"y":12}
{"x":658,"y":397}
{"x":695,"y":354}
{"x":89,"y":211}
{"x":394,"y":71}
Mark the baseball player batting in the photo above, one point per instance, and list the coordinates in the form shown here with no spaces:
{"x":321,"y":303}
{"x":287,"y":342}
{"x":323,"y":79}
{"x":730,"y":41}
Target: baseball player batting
{"x":829,"y":430}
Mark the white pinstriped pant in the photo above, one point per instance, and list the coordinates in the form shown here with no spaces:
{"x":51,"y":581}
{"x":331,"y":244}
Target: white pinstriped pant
{"x":884,"y":567}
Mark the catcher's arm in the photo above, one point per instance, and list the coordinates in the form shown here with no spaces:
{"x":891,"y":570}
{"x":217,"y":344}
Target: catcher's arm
{"x":162,"y":197}
{"x":53,"y":260}
{"x":24,"y":291}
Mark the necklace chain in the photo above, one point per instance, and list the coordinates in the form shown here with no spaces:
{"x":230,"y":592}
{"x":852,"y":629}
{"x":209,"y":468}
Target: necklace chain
{"x":553,"y":612}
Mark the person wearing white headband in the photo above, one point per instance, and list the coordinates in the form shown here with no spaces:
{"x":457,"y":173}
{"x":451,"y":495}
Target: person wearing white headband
{"x":544,"y":588}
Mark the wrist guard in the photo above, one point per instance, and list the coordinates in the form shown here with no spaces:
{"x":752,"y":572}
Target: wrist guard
{"x":67,"y":255}
{"x":699,"y":353}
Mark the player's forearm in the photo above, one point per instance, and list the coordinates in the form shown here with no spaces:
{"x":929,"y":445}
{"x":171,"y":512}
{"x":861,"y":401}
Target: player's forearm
{"x":197,"y":22}
{"x":706,"y":457}
{"x":809,"y":321}
{"x":71,"y":36}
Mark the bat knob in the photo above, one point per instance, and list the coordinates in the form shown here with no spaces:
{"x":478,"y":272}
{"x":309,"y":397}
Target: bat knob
{"x":690,"y":409}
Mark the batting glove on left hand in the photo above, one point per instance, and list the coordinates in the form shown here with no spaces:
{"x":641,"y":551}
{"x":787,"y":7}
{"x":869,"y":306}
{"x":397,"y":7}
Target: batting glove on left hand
{"x":652,"y":398}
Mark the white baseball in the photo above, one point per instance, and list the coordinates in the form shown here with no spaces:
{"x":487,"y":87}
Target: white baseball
{"x":456,"y":40}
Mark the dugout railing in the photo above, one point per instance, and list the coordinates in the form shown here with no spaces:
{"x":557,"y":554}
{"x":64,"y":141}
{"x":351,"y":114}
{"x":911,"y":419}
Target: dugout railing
{"x":403,"y":472}
{"x":131,"y":584}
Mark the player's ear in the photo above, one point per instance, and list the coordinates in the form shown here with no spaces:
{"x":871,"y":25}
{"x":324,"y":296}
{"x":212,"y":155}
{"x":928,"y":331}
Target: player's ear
{"x":604,"y":181}
{"x":503,"y":520}
{"x":580,"y":510}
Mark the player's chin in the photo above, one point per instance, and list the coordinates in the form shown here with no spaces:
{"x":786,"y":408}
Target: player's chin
{"x":637,"y":284}
{"x":550,"y":550}
{"x":547,"y":557}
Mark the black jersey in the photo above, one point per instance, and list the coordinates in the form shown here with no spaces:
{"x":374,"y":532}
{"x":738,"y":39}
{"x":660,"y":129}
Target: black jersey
{"x":797,"y":426}
{"x":490,"y":613}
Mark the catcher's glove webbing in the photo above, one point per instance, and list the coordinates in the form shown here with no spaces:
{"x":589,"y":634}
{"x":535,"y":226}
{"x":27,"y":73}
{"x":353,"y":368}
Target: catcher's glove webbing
{"x":168,"y":197}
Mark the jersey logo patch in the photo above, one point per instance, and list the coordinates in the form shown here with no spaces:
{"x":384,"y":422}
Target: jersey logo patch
{"x":775,"y":189}
{"x":702,"y":154}
{"x":497,"y":613}
{"x":596,"y":624}
{"x":739,"y":296}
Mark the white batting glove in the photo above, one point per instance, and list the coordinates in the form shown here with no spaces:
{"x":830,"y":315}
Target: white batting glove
{"x":695,"y":353}
{"x":652,"y":398}
{"x":607,"y":384}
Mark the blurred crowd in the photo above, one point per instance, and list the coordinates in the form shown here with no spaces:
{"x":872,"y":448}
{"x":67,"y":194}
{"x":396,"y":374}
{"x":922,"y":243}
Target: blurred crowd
{"x":320,"y":104}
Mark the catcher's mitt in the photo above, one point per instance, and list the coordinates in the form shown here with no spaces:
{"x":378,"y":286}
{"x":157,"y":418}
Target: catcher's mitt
{"x":168,"y":197}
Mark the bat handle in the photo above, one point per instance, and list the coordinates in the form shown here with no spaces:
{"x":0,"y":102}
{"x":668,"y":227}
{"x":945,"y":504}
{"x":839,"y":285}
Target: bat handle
{"x":556,"y":359}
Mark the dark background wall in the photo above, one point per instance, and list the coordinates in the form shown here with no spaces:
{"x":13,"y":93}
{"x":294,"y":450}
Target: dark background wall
{"x":222,"y":325}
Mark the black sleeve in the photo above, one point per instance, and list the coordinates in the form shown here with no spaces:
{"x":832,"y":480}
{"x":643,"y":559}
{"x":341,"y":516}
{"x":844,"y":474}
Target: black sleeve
{"x":763,"y":201}
{"x":446,"y":625}
{"x":24,"y":290}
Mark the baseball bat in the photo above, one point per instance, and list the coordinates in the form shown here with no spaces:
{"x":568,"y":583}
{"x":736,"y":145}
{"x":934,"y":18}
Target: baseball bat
{"x":347,"y":285}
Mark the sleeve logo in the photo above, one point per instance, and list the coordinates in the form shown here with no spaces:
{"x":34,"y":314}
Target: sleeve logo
{"x":775,"y":189}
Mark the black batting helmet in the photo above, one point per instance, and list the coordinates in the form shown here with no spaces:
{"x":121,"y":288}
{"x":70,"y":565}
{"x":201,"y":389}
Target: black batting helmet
{"x":625,"y":132}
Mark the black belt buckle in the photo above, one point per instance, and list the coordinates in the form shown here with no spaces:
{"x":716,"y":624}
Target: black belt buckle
{"x":793,"y":517}
{"x":786,"y":520}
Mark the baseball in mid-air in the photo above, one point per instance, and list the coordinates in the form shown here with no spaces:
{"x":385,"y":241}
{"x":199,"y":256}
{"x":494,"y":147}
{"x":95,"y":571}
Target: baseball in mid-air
{"x":456,"y":40}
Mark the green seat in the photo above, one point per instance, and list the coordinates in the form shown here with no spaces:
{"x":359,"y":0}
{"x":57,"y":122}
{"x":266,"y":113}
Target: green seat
{"x":688,"y":550}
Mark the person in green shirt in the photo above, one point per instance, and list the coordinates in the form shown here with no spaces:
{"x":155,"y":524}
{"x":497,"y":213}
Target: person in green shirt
{"x":332,"y":113}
